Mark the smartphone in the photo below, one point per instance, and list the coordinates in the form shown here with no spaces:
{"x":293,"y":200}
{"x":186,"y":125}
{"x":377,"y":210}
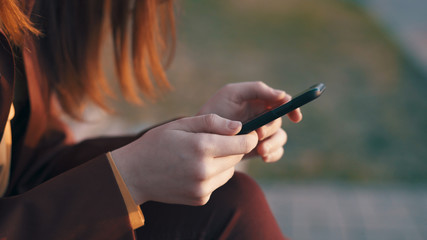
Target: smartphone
{"x":307,"y":96}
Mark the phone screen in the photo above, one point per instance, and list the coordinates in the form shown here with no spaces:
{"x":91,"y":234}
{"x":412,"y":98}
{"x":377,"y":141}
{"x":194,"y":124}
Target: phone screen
{"x":301,"y":99}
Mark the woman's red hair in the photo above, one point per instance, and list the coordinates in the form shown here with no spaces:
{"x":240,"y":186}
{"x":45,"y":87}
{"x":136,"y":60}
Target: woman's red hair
{"x":14,"y":22}
{"x":69,"y":49}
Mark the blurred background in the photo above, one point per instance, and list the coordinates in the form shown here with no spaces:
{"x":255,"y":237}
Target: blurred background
{"x":356,"y":166}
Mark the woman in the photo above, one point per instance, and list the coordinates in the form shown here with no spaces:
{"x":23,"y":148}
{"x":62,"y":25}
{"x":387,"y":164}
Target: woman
{"x":180,"y":174}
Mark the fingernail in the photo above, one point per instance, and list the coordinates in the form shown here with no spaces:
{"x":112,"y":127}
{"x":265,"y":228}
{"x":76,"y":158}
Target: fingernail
{"x":233,"y":125}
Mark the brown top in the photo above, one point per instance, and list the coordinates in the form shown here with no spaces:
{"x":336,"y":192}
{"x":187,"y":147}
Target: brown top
{"x":56,"y":188}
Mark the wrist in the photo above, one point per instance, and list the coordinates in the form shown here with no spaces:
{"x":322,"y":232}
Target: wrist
{"x":128,"y":174}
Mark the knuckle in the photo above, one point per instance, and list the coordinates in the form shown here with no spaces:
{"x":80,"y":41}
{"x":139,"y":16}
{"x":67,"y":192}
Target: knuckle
{"x":198,"y":145}
{"x":201,"y":146}
{"x":260,"y":84}
{"x":210,"y":119}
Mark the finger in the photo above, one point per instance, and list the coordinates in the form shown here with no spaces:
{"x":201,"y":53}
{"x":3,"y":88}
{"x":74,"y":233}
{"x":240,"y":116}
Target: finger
{"x":221,"y":164}
{"x":274,"y":156}
{"x":257,"y":91}
{"x":269,"y":129}
{"x":220,"y":179}
{"x":271,"y":144}
{"x":223,"y":146}
{"x":202,"y":192}
{"x":210,"y":123}
{"x":295,"y":116}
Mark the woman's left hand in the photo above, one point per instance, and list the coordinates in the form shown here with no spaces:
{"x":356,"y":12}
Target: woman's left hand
{"x":243,"y":101}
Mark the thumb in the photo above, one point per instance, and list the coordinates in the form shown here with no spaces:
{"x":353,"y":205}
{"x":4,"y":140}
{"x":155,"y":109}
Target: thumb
{"x":210,"y":123}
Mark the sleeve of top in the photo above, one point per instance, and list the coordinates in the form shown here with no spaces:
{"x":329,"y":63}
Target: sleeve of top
{"x":82,"y":203}
{"x":135,"y":214}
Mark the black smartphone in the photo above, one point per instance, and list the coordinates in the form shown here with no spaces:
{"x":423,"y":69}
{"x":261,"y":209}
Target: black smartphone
{"x":298,"y":101}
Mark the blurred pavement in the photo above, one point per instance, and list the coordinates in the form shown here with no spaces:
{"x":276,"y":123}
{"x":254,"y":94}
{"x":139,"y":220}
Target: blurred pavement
{"x":349,"y":212}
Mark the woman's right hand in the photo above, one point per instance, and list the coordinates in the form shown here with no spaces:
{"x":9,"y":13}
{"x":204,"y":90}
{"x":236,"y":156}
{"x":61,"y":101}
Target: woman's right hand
{"x":183,"y":161}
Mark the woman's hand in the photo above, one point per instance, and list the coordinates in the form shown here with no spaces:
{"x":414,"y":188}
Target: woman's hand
{"x":243,"y":101}
{"x":183,"y":161}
